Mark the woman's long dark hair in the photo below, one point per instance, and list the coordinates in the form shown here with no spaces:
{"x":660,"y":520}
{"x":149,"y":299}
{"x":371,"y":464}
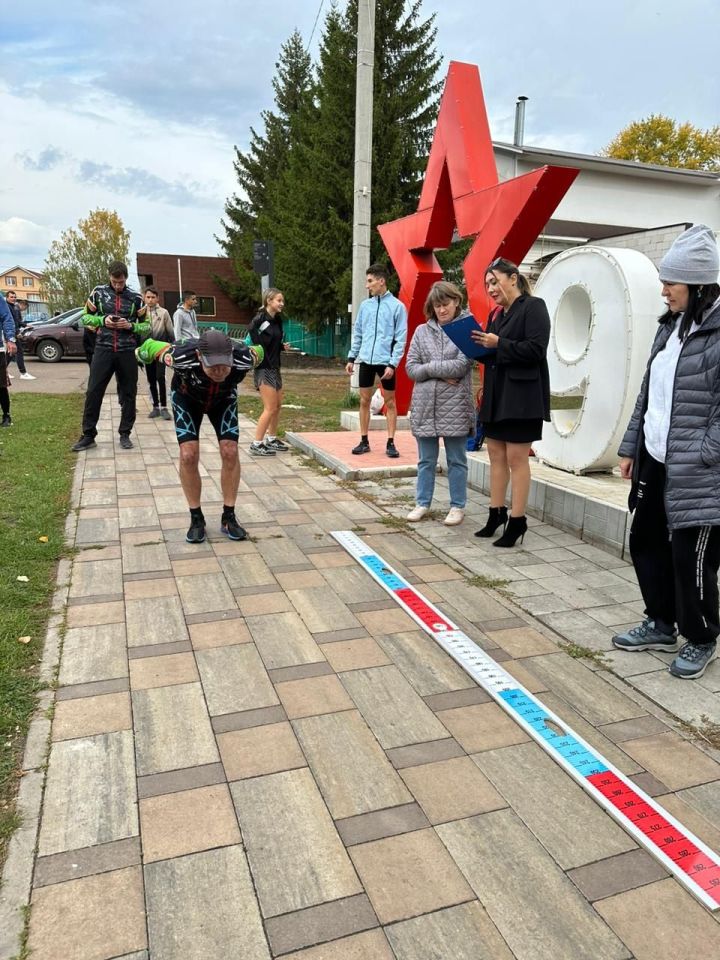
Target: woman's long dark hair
{"x":700,"y":299}
{"x":509,"y":268}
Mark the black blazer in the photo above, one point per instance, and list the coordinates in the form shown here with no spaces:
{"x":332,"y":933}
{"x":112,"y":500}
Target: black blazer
{"x":517,"y":381}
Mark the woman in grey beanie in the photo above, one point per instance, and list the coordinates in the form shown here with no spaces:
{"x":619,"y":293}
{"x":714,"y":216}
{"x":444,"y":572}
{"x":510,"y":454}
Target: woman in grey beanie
{"x":671,"y":453}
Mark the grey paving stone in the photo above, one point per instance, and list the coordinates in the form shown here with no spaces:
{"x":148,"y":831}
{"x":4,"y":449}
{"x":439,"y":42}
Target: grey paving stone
{"x":472,"y":602}
{"x":642,"y":726}
{"x":617,"y":874}
{"x":394,"y":711}
{"x":102,"y":530}
{"x":535,"y":907}
{"x":419,"y":753}
{"x":157,"y":620}
{"x":316,"y":925}
{"x":705,"y":798}
{"x":90,"y":793}
{"x":172,"y":729}
{"x":205,"y":593}
{"x":543,"y":603}
{"x":104,"y":577}
{"x":137,"y":516}
{"x":321,"y":610}
{"x":424,"y":664}
{"x":234,"y":679}
{"x":353,"y":585}
{"x":382,"y":823}
{"x":148,"y":554}
{"x":175,"y":781}
{"x":690,"y":705}
{"x":246,"y":570}
{"x":463,"y":933}
{"x":368,"y":782}
{"x":586,"y":691}
{"x":574,"y":829}
{"x":577,"y":627}
{"x":283,"y":640}
{"x":295,"y":853}
{"x":84,"y":863}
{"x":94,"y":653}
{"x":457,"y":698}
{"x":279,"y":551}
{"x":203,"y":905}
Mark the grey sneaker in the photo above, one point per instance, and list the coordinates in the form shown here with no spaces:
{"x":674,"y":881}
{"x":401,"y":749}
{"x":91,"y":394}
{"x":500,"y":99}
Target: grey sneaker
{"x":692,"y":660}
{"x":646,"y":636}
{"x":260,"y":450}
{"x":155,"y":412}
{"x":277,"y":445}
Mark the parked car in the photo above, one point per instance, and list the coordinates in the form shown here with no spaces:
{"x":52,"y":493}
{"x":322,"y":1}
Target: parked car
{"x":53,"y":340}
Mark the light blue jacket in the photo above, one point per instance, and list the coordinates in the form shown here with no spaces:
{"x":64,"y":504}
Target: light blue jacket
{"x":7,"y":324}
{"x":380,"y":331}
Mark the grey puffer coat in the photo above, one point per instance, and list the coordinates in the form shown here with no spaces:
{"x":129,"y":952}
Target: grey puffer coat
{"x":692,"y":487}
{"x":438,"y":408}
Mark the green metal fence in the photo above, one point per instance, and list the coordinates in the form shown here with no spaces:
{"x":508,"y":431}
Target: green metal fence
{"x":332,"y":341}
{"x":212,"y":325}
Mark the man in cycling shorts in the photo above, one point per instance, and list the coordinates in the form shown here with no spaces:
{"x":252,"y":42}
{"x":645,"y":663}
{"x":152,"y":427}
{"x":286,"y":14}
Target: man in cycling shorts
{"x":206,"y":373}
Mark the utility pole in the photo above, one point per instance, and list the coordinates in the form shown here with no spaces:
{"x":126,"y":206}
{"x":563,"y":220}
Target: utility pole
{"x":363,"y":153}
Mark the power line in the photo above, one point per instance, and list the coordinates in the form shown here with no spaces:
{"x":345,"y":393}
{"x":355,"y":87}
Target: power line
{"x":317,"y":17}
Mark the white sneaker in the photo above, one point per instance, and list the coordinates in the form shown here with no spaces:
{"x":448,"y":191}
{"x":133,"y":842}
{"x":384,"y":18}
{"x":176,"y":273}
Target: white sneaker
{"x":454,"y":517}
{"x":27,"y":376}
{"x":10,"y":376}
{"x":417,"y":513}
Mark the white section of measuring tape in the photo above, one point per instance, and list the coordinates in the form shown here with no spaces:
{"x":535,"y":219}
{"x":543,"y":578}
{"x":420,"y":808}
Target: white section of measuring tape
{"x":645,"y":820}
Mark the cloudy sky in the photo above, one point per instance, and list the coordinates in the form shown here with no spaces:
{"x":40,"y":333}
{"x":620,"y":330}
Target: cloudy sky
{"x":136,"y":107}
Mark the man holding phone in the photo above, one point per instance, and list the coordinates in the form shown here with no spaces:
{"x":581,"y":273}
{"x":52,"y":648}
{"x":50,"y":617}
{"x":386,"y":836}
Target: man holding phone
{"x":118,"y":315}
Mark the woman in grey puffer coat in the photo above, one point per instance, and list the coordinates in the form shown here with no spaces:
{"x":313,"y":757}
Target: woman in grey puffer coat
{"x":671,"y":452}
{"x":442,"y":402}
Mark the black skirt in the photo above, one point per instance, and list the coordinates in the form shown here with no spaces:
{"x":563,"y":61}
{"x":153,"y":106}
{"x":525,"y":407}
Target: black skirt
{"x":514,"y":431}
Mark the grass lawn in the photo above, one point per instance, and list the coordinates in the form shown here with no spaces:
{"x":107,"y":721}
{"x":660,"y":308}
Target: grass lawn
{"x":322,"y":396}
{"x":35,"y":479}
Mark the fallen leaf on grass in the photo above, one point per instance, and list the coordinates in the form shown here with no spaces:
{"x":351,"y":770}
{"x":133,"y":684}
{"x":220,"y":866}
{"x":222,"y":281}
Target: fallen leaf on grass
{"x":24,"y":639}
{"x":43,"y":539}
{"x":23,"y":579}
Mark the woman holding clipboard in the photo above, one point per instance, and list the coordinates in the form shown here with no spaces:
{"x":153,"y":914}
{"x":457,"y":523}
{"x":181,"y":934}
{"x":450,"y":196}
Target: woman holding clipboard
{"x":516,"y":394}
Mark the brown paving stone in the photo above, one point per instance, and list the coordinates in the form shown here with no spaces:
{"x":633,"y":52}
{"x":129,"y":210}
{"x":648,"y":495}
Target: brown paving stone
{"x":430,"y":752}
{"x":378,"y":824}
{"x":378,"y":622}
{"x":159,"y":650}
{"x":87,"y":615}
{"x":88,"y":716}
{"x":673,"y":760}
{"x":661,"y":922}
{"x":331,"y":636}
{"x":328,"y":921}
{"x":257,"y":751}
{"x":633,"y":729}
{"x":330,"y":557}
{"x":92,"y":689}
{"x":174,"y":781}
{"x":523,"y":642}
{"x":354,"y":654}
{"x":162,"y":671}
{"x":186,"y":822}
{"x":218,"y":633}
{"x":301,"y":672}
{"x":461,"y":933}
{"x":271,"y":588}
{"x":650,"y":784}
{"x":147,"y":589}
{"x":371,"y":945}
{"x":302,"y":578}
{"x":90,"y":601}
{"x":503,"y":623}
{"x":437,"y":573}
{"x":483,"y":726}
{"x":248,"y":718}
{"x":452,"y":789}
{"x":408,"y":875}
{"x":305,"y":698}
{"x":86,"y":862}
{"x":605,"y":878}
{"x":89,"y":919}
{"x":457,"y":698}
{"x":256,"y":604}
{"x":184,"y":568}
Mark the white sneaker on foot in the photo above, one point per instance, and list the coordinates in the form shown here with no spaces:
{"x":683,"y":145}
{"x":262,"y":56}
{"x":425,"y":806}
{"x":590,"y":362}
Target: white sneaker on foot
{"x":27,"y":376}
{"x":454,"y":517}
{"x":417,"y":513}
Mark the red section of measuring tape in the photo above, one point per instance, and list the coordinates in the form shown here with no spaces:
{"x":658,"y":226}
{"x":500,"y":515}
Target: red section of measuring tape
{"x":422,"y":609}
{"x":659,"y":831}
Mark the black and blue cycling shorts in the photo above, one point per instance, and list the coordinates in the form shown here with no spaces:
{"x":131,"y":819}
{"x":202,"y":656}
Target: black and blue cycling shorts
{"x":188,"y":414}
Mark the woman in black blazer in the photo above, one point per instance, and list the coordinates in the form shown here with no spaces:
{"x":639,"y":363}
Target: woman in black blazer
{"x":516,"y":394}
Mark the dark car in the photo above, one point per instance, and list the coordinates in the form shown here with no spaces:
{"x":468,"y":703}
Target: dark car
{"x":51,"y":342}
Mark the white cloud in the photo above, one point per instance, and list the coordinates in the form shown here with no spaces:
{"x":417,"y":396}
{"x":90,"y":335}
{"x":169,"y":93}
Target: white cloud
{"x":25,"y":239}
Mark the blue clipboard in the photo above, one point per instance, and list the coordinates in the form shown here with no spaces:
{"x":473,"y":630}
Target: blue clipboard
{"x":459,"y":332}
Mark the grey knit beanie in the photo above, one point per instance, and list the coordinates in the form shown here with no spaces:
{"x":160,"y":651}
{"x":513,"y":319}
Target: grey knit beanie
{"x":693,"y":258}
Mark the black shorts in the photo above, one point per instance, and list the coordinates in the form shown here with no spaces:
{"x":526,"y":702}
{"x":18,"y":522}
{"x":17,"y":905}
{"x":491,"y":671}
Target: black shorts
{"x":188,"y":415}
{"x":268,"y":378}
{"x":368,"y":372}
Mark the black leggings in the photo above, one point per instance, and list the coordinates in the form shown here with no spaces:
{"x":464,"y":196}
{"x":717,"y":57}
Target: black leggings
{"x":155,"y":373}
{"x":678,"y":572}
{"x":104,"y":364}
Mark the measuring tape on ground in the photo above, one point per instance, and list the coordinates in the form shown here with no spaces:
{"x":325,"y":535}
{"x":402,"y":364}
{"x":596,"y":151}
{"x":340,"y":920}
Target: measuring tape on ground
{"x":694,"y":864}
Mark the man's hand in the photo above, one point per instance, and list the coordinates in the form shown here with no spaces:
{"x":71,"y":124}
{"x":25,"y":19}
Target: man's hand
{"x":11,"y":347}
{"x":349,"y":367}
{"x":388,"y":373}
{"x":626,"y":467}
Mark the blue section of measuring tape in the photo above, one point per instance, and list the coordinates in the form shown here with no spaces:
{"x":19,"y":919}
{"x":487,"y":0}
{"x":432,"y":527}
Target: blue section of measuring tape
{"x":373,"y":562}
{"x":565,"y":744}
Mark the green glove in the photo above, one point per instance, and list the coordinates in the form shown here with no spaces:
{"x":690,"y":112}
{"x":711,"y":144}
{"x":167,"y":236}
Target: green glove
{"x":258,"y":353}
{"x":151,"y":350}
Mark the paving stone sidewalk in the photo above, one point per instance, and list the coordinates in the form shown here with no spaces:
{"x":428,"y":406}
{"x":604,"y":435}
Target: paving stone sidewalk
{"x":255,"y":753}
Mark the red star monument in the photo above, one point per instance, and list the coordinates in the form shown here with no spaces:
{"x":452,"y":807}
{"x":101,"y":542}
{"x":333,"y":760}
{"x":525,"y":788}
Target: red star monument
{"x":461,"y":191}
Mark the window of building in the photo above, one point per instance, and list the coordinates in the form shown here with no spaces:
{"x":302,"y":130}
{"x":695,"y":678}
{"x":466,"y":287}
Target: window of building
{"x":28,"y":282}
{"x":205,"y":307}
{"x":11,"y":281}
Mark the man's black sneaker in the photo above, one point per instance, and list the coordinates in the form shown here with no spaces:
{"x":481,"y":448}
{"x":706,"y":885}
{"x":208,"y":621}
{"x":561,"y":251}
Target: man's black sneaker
{"x":7,"y":422}
{"x":362,"y":447}
{"x":84,"y":443}
{"x":277,"y":445}
{"x":392,"y":451}
{"x":155,"y":412}
{"x":232,"y":529}
{"x":196,"y":533}
{"x":125,"y":442}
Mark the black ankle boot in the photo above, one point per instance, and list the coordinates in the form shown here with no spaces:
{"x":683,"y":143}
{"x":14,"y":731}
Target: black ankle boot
{"x":497,"y":517}
{"x":516,"y":528}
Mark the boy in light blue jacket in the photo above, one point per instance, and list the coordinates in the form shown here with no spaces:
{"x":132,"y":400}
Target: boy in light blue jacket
{"x":378,"y":344}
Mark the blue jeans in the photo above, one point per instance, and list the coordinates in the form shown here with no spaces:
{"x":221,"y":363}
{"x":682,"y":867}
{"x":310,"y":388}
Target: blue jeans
{"x":456,"y":455}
